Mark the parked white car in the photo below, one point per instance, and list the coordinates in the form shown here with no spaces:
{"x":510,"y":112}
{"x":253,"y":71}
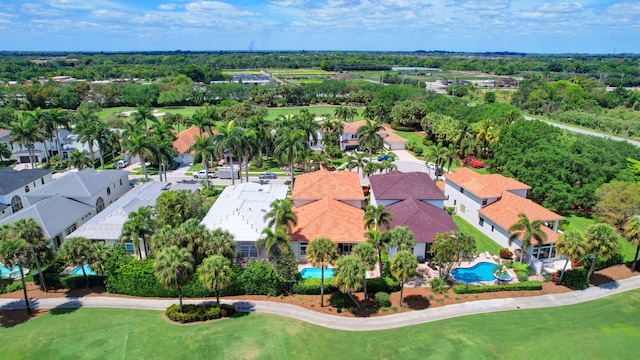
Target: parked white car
{"x":203,"y":175}
{"x":121,"y":164}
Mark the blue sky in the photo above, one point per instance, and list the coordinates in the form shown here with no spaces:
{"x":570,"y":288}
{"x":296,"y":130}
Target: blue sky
{"x":384,"y":25}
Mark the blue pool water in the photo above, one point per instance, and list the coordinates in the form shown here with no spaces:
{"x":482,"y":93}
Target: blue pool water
{"x":5,"y":273}
{"x":479,"y":272}
{"x":78,"y":270}
{"x":316,"y":273}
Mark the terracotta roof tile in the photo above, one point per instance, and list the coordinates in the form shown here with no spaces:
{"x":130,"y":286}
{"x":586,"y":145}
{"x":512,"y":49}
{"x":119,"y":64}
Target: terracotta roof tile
{"x":397,"y":185}
{"x":389,"y":136}
{"x":504,"y":212}
{"x":484,"y":186}
{"x":186,"y":138}
{"x":343,"y":185}
{"x":329,"y":218}
{"x":352,"y":127}
{"x":440,"y":185}
{"x":423,"y":219}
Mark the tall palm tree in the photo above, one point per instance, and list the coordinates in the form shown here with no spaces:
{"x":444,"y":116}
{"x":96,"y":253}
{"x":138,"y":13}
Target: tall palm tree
{"x":570,"y":244}
{"x":437,"y":154}
{"x":370,"y":168}
{"x":248,"y":146}
{"x":262,"y":129}
{"x":139,"y":227}
{"x":469,"y":146}
{"x":367,"y":254}
{"x":44,"y":129}
{"x":15,"y":252}
{"x":142,"y":115}
{"x":289,"y":145}
{"x":350,"y":275}
{"x":79,"y":159}
{"x":322,"y":252}
{"x":221,"y":243}
{"x":229,"y":138}
{"x":387,"y":165}
{"x":138,"y":143}
{"x":273,"y":242}
{"x":357,"y":160}
{"x":204,"y":149}
{"x":102,"y":136}
{"x":403,"y":238}
{"x":86,"y":128}
{"x":368,"y":136}
{"x":99,"y":253}
{"x":75,"y":251}
{"x":527,"y":230}
{"x":308,"y":124}
{"x":26,"y":132}
{"x":342,"y":112}
{"x":632,"y":232}
{"x":215,"y":273}
{"x":379,"y":241}
{"x":377,"y":217}
{"x":58,"y":119}
{"x":485,"y":133}
{"x":163,"y":137}
{"x":404,"y":266}
{"x":204,"y":119}
{"x":30,"y":231}
{"x":281,"y":215}
{"x":174,"y":268}
{"x":601,"y":240}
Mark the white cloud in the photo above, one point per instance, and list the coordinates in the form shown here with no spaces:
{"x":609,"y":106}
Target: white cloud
{"x":560,"y":8}
{"x":216,"y":7}
{"x":626,"y":8}
{"x":170,"y":6}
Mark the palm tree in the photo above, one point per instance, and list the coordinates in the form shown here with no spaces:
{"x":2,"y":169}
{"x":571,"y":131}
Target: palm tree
{"x":138,"y":143}
{"x":367,"y":254}
{"x":632,"y":232}
{"x":485,"y":133}
{"x":572,"y":246}
{"x":5,"y":151}
{"x":262,"y":129}
{"x":174,"y":268}
{"x":248,"y":146}
{"x":229,"y":138}
{"x":387,"y":165}
{"x":527,"y":230}
{"x":215,"y":273}
{"x":163,"y":138}
{"x":436,"y":154}
{"x":376,"y":217}
{"x":281,"y":215}
{"x":357,"y":160}
{"x":102,"y":136}
{"x":142,"y":115}
{"x":403,"y":268}
{"x":204,"y":149}
{"x":469,"y":146}
{"x":58,"y":119}
{"x":308,"y":124}
{"x":289,"y":145}
{"x":30,"y":231}
{"x":403,"y":238}
{"x":15,"y":252}
{"x":322,"y":252}
{"x":601,"y":240}
{"x":204,"y":119}
{"x":139,"y":227}
{"x":44,"y":129}
{"x":368,"y":136}
{"x":221,"y":243}
{"x":86,"y":128}
{"x":79,"y":159}
{"x":379,"y":241}
{"x":75,"y":252}
{"x":342,"y":112}
{"x":26,"y":132}
{"x":350,"y":275}
{"x":274,"y":242}
{"x":370,"y":168}
{"x":99,"y":253}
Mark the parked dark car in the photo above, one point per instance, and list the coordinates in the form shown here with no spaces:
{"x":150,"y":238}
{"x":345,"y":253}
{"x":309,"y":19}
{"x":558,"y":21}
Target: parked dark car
{"x":268,"y":175}
{"x":385,"y":157}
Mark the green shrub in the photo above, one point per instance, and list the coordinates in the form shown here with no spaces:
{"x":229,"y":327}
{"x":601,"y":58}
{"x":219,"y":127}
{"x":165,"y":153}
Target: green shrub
{"x":312,"y":287}
{"x":614,"y":259}
{"x":576,"y":278}
{"x":201,"y":312}
{"x":137,"y":278}
{"x":397,"y":127}
{"x":386,"y":284}
{"x":260,"y":278}
{"x":518,"y":266}
{"x":340,"y":300}
{"x":57,"y":281}
{"x":9,"y":286}
{"x":438,"y":285}
{"x":382,"y":299}
{"x":418,"y":151}
{"x":522,"y":276}
{"x":521,"y":286}
{"x":451,"y":210}
{"x":410,"y":145}
{"x":211,"y":191}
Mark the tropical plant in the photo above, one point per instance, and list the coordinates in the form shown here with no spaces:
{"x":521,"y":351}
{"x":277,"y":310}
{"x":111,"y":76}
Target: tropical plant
{"x":14,"y":252}
{"x":262,"y":128}
{"x":357,"y":160}
{"x":79,"y":159}
{"x":377,"y":217}
{"x":5,"y":151}
{"x":436,"y":154}
{"x":26,"y":131}
{"x":137,"y":143}
{"x":370,"y":168}
{"x":215,"y":273}
{"x":322,"y":252}
{"x":572,"y":246}
{"x":526,"y":230}
{"x":601,"y":240}
{"x":367,"y":253}
{"x":290,"y":144}
{"x":30,"y":231}
{"x":174,"y":268}
{"x":99,"y":254}
{"x":281,"y":215}
{"x":402,"y":237}
{"x":229,"y":138}
{"x":221,"y":243}
{"x":404,"y":267}
{"x":204,"y":149}
{"x":139,"y":227}
{"x":368,"y":136}
{"x":450,"y":248}
{"x":632,"y":232}
{"x":273,"y":241}
{"x":379,"y":242}
{"x":350,"y":275}
{"x":204,"y":119}
{"x":75,"y":251}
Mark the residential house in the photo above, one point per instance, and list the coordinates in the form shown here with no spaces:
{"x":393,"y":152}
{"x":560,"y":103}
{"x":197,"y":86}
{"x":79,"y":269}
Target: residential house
{"x":491,"y":203}
{"x":68,"y":143}
{"x":328,"y":204}
{"x":14,"y":185}
{"x":349,"y":137}
{"x":415,"y":202}
{"x":240,"y":209}
{"x":185,"y":140}
{"x":106,"y":226}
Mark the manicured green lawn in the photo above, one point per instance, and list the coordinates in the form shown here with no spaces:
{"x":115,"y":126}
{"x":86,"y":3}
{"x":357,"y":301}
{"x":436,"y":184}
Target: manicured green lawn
{"x":413,"y":136}
{"x":483,"y":242}
{"x":580,"y":223}
{"x":606,"y":328}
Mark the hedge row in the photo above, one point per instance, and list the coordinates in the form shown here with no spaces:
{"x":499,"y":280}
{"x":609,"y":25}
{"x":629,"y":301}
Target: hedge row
{"x":520,"y":286}
{"x":9,"y":286}
{"x":312,"y":286}
{"x":202,"y":312}
{"x":57,"y":281}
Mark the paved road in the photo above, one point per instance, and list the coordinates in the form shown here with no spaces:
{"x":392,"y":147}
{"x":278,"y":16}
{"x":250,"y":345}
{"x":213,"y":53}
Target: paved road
{"x":586,"y":132}
{"x":350,"y":324}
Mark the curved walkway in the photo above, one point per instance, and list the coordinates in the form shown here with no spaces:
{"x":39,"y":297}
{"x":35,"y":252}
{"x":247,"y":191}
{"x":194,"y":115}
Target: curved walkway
{"x":349,"y":324}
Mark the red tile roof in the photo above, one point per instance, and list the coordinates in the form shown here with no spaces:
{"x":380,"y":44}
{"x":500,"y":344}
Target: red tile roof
{"x":423,"y":219}
{"x":329,"y":218}
{"x":504,"y":213}
{"x":186,"y":138}
{"x":397,"y":185}
{"x":484,"y":186}
{"x":440,"y":185}
{"x":352,"y":127}
{"x":343,"y":185}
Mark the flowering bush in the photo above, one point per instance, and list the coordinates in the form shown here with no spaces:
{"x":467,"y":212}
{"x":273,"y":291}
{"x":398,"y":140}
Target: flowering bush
{"x":505,"y":253}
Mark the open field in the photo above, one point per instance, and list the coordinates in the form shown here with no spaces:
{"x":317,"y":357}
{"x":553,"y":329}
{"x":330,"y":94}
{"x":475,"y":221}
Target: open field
{"x":606,"y":328}
{"x":483,"y":242}
{"x":289,"y":73}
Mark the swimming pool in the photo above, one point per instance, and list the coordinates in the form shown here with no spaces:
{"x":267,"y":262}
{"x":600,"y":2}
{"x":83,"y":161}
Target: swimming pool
{"x":6,"y":273}
{"x":78,"y":270}
{"x":483,"y":271}
{"x":316,"y":273}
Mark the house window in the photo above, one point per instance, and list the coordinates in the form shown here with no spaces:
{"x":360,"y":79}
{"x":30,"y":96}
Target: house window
{"x":484,"y":202}
{"x":461,"y":190}
{"x":99,"y":205}
{"x":108,"y":191}
{"x":247,"y":250}
{"x":303,"y":248}
{"x":26,"y":189}
{"x":120,"y":182}
{"x":481,"y":222}
{"x":492,"y":228}
{"x":16,"y":204}
{"x":42,"y":181}
{"x":344,"y":248}
{"x":70,"y":229}
{"x":463,"y":209}
{"x":454,"y":202}
{"x":547,"y":251}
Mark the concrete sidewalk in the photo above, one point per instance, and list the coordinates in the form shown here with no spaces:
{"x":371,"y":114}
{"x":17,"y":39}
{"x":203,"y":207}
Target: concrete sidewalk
{"x":349,"y":324}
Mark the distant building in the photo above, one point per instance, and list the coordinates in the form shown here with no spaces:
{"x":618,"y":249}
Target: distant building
{"x":14,"y":185}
